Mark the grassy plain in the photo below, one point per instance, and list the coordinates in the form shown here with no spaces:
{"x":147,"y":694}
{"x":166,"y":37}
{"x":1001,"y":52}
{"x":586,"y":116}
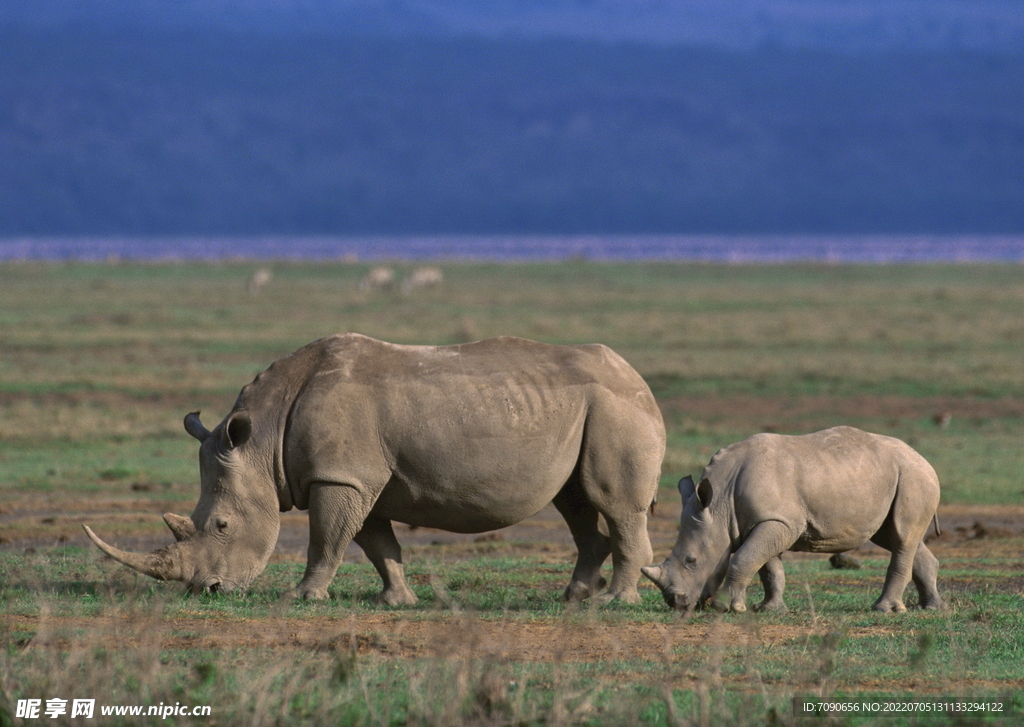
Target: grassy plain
{"x":99,"y":362}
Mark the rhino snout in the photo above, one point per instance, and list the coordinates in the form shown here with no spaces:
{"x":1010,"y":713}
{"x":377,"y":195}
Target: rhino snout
{"x":678,"y":601}
{"x":210,"y":585}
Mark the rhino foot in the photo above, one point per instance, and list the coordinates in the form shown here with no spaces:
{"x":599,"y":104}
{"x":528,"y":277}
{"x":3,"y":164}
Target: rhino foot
{"x":396,"y":597}
{"x":579,"y":591}
{"x":628,"y":596}
{"x":723,"y":607}
{"x":308,"y":594}
{"x":889,"y":606}
{"x":770,"y":606}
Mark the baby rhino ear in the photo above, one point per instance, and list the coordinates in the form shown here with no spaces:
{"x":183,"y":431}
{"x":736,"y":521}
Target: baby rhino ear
{"x":686,"y":488}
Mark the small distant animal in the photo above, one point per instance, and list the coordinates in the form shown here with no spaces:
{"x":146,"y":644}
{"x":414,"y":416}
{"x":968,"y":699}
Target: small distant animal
{"x":844,"y":561}
{"x":377,"y":278}
{"x":259,"y":279}
{"x":826,"y":492}
{"x":467,"y":438}
{"x":422,"y":278}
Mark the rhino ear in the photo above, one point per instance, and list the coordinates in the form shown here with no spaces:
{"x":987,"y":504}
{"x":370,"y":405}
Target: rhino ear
{"x":705,"y":492}
{"x":237,"y":429}
{"x":195,"y":427}
{"x":686,"y":488}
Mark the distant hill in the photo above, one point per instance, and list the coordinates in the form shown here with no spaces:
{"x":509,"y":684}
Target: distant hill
{"x":356,"y":117}
{"x":833,"y":24}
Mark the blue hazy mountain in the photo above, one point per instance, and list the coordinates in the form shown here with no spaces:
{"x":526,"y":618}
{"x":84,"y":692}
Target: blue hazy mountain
{"x":406,"y":116}
{"x":849,"y":24}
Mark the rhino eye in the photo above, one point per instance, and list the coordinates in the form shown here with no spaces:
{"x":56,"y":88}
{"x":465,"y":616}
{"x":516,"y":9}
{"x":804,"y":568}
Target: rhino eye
{"x":689,"y":560}
{"x":221,"y":524}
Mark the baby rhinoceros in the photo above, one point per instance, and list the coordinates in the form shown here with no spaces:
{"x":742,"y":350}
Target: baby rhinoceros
{"x":825,"y":492}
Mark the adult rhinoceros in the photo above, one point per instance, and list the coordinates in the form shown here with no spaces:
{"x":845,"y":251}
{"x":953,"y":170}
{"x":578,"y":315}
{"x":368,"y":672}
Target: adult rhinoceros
{"x":825,"y":492}
{"x":465,"y":438}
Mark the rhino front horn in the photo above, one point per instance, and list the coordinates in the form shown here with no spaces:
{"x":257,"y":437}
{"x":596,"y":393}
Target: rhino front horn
{"x":655,"y":572}
{"x":164,"y":564}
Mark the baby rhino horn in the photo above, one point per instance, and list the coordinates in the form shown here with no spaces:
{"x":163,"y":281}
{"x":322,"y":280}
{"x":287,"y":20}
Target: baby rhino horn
{"x":655,"y":573}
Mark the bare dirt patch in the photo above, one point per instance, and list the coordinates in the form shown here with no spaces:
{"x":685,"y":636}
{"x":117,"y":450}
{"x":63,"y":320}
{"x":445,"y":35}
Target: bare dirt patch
{"x":442,"y":634}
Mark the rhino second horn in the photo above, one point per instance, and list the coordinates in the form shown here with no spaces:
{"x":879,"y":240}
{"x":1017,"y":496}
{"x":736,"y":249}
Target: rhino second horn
{"x":164,"y":564}
{"x":195,"y":427}
{"x":182,"y":527}
{"x":655,"y":572}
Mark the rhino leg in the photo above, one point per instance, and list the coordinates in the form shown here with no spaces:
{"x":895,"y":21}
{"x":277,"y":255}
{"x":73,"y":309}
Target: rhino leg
{"x":336,"y":514}
{"x":592,"y":545}
{"x":926,"y":571}
{"x":897,"y":576}
{"x":907,"y":561}
{"x":773,"y":579}
{"x":763,"y":545}
{"x":631,"y":550}
{"x":377,"y":539}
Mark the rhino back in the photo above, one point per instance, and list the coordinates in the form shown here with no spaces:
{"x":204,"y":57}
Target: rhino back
{"x":466,"y":438}
{"x":837,"y":485}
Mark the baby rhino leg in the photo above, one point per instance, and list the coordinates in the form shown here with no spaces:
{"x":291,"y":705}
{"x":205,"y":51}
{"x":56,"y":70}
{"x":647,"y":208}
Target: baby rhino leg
{"x":773,"y":579}
{"x":766,"y":542}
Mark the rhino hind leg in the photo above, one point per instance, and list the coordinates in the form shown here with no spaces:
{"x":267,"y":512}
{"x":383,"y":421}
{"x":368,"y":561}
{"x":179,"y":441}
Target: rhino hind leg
{"x":378,"y":541}
{"x":910,"y":559}
{"x":925,"y":574}
{"x":897,"y":575}
{"x":773,"y":579}
{"x":631,"y":550}
{"x":593,"y":546}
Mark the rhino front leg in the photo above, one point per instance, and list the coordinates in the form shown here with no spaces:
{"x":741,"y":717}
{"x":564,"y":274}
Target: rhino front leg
{"x":378,"y":541}
{"x":764,"y":543}
{"x":336,"y":514}
{"x":773,"y":579}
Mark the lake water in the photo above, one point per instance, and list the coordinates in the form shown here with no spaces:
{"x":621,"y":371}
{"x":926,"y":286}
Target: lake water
{"x":710,"y":248}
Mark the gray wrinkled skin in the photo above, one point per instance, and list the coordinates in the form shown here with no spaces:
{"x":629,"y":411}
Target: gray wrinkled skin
{"x":465,"y":438}
{"x":826,"y":492}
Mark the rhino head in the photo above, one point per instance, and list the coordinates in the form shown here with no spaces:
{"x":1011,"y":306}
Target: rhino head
{"x":233,"y":530}
{"x":696,"y":567}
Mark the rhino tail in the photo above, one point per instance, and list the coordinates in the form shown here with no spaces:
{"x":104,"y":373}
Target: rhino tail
{"x":654,"y":505}
{"x":935,"y":522}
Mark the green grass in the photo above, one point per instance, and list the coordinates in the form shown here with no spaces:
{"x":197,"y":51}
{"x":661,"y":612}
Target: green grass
{"x":740,"y":672}
{"x":99,"y":363}
{"x":112,"y":354}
